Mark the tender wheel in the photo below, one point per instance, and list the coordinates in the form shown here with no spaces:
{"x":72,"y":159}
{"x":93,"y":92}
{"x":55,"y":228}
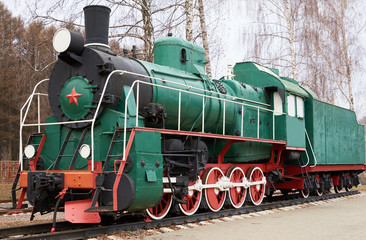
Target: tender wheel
{"x":304,"y":193}
{"x":193,"y":199}
{"x":318,"y":192}
{"x":214,"y":197}
{"x":256,"y":192}
{"x":161,"y":210}
{"x":337,"y":189}
{"x":236,"y":194}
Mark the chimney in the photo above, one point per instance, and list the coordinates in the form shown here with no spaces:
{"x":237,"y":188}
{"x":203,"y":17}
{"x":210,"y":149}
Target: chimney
{"x":96,"y":24}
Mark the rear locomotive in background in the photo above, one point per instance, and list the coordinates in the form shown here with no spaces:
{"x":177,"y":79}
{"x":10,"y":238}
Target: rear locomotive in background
{"x":129,"y":135}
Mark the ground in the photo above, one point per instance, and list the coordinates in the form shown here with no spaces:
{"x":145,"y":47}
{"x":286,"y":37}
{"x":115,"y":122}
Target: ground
{"x":342,"y":218}
{"x":5,"y":191}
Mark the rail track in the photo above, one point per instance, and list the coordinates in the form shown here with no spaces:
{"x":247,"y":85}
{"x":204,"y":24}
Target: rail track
{"x":66,"y":230}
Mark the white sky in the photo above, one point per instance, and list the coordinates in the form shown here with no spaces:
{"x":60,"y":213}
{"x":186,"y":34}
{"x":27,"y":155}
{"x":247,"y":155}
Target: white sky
{"x":233,"y":18}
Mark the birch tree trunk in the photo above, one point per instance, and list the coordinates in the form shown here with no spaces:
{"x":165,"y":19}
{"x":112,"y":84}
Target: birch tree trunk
{"x":204,"y":36}
{"x":346,"y":55}
{"x":189,"y":19}
{"x":148,"y":29}
{"x":291,"y":38}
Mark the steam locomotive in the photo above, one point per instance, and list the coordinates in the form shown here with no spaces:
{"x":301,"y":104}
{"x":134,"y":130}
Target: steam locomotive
{"x":128,"y":135}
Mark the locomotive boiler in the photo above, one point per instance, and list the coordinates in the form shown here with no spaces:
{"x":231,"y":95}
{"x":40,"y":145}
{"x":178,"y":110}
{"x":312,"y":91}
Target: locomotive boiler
{"x":128,"y":135}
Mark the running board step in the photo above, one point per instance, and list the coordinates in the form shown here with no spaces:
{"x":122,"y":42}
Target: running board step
{"x":100,"y":209}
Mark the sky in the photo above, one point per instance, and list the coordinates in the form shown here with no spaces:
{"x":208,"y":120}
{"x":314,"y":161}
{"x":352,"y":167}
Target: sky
{"x":226,"y":36}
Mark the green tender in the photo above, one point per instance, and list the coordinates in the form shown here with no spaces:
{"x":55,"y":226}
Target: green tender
{"x":334,"y":133}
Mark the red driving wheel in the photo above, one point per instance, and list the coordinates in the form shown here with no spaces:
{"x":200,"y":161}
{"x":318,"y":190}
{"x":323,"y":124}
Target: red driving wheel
{"x":193,"y":199}
{"x":161,"y":210}
{"x":256,"y":192}
{"x":236,"y":194}
{"x":214,"y":197}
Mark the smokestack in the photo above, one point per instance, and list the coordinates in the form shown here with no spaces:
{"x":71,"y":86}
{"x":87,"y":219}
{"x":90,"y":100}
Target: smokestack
{"x":96,"y":24}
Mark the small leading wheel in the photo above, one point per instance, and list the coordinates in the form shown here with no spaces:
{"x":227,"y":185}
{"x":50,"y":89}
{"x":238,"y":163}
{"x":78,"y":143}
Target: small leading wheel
{"x":193,"y":199}
{"x":161,"y":210}
{"x":304,"y":193}
{"x":348,"y":188}
{"x":236,"y":194}
{"x":256,"y":192}
{"x":337,"y":189}
{"x":214,"y":197}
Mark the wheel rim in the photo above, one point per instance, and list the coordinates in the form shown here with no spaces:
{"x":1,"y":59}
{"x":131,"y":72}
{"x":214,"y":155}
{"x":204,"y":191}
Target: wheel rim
{"x":304,"y":193}
{"x":193,"y":199}
{"x":161,"y":210}
{"x":318,"y":192}
{"x":214,"y":197}
{"x":237,"y":194}
{"x":337,"y":189}
{"x":256,"y":192}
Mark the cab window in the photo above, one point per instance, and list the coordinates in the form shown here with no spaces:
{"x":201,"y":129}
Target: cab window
{"x":277,"y":104}
{"x":295,"y":106}
{"x":291,"y":105}
{"x":299,"y":107}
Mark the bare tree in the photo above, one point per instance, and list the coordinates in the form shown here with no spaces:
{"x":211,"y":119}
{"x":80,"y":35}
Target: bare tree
{"x":317,"y":40}
{"x":337,"y":44}
{"x":189,"y":19}
{"x":281,"y":32}
{"x":204,"y":36}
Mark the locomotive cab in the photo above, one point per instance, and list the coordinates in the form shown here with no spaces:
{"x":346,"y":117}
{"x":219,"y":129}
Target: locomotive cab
{"x":286,"y":98}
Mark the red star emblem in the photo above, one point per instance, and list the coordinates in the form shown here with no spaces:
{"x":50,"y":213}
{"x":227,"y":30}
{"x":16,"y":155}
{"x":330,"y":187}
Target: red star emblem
{"x":73,"y":96}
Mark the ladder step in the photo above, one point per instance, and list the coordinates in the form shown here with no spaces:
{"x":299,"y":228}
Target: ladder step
{"x":115,"y":155}
{"x":106,"y":189}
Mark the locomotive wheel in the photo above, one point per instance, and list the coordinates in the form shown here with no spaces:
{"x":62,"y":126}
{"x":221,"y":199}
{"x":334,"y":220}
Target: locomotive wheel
{"x":161,"y":210}
{"x":236,"y":194}
{"x":318,"y":192}
{"x":337,"y":189}
{"x":304,"y":193}
{"x":214,"y":197}
{"x":193,"y":199}
{"x":256,"y":192}
{"x":348,"y":188}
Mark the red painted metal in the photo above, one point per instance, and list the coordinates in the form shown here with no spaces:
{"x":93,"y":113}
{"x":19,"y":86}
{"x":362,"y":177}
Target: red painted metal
{"x":160,"y":210}
{"x":12,"y":170}
{"x":97,"y":166}
{"x":33,"y":164}
{"x":256,"y":192}
{"x":75,"y":212}
{"x":296,"y":149}
{"x":73,"y":97}
{"x":210,"y":135}
{"x":120,"y":170}
{"x":215,"y":198}
{"x":292,"y":184}
{"x":21,"y":198}
{"x":335,"y":179}
{"x":220,"y":159}
{"x":193,"y":201}
{"x":236,"y":194}
{"x":295,"y":170}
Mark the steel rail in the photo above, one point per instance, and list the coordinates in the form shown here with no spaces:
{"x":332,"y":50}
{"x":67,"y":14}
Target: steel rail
{"x":79,"y":231}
